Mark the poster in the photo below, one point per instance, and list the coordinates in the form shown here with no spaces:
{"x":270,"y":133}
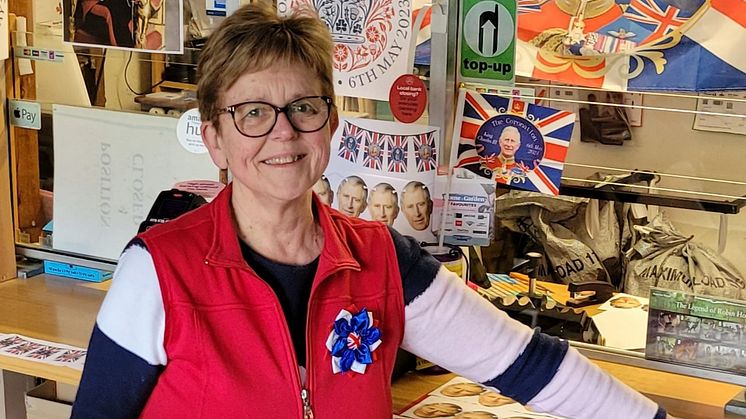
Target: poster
{"x":4,"y":42}
{"x":98,"y":206}
{"x":686,"y":45}
{"x":471,"y":210}
{"x":371,"y":42}
{"x":511,"y":142}
{"x":144,"y":25}
{"x":487,"y":41}
{"x":723,"y":103}
{"x":384,"y":171}
{"x":695,"y":330}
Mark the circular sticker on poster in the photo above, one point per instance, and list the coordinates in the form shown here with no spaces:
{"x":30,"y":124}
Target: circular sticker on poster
{"x":510,"y":147}
{"x":188,"y":132}
{"x":408,"y":98}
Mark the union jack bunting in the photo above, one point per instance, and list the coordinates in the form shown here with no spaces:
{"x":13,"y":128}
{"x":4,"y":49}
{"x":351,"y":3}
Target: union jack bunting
{"x":397,"y":152}
{"x":535,"y":159}
{"x":349,"y":143}
{"x":373,"y":151}
{"x":425,"y":152}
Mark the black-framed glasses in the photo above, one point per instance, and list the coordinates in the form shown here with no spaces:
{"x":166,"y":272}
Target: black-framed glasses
{"x":257,"y":119}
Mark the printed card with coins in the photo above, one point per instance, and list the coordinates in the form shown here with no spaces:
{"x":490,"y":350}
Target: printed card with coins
{"x":461,"y":398}
{"x":696,"y":329}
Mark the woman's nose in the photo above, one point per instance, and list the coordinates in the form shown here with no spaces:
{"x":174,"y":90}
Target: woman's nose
{"x":283,"y":129}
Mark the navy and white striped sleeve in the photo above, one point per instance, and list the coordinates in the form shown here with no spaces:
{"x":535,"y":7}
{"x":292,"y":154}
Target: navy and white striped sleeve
{"x":126,"y":353}
{"x":452,"y":326}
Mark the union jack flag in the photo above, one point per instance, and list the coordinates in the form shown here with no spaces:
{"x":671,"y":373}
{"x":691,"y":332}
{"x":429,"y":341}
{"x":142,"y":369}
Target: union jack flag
{"x":702,"y":59}
{"x":70,"y":355}
{"x":545,"y":135}
{"x":425,"y":152}
{"x":44,"y":352}
{"x":660,"y":19}
{"x":397,"y":153}
{"x":349,"y":143}
{"x":373,"y":151}
{"x":10,"y":341}
{"x":530,"y":6}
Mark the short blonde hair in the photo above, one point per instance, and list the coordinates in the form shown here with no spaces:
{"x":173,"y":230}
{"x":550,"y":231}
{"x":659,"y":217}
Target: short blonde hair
{"x":254,"y":38}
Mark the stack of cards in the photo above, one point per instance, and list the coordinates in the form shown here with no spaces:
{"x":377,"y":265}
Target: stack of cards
{"x":42,"y":351}
{"x":623,"y":321}
{"x":463,"y":399}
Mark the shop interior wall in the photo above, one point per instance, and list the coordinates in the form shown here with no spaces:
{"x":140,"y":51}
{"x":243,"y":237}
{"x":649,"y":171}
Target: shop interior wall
{"x":137,"y":73}
{"x":667,"y":143}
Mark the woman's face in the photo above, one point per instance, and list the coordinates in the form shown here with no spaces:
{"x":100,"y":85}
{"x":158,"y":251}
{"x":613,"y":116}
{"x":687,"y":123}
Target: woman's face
{"x":282,"y":165}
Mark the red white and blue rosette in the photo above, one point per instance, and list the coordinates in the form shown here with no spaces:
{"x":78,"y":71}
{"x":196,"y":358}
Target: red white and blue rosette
{"x":352,"y":341}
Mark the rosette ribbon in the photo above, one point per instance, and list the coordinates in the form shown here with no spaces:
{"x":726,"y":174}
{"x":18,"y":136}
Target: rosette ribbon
{"x":352,"y":341}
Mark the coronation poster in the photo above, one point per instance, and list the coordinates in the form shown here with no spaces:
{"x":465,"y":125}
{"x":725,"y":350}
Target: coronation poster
{"x":371,"y":42}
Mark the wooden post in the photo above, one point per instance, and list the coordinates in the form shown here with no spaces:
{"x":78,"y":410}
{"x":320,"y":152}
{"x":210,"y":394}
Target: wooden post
{"x":24,"y":143}
{"x":7,"y":244}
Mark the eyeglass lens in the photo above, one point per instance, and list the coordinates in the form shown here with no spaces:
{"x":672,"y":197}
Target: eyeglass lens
{"x":256,"y":119}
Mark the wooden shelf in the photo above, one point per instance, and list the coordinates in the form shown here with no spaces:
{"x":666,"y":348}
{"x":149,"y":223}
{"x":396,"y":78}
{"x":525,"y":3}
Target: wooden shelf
{"x":50,"y":308}
{"x":167,"y":84}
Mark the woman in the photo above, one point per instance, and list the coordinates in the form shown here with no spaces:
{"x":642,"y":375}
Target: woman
{"x":266,"y":303}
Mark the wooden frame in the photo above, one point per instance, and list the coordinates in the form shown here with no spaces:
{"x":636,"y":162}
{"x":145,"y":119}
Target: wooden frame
{"x":24,"y":143}
{"x":7,"y":242}
{"x":20,"y":200}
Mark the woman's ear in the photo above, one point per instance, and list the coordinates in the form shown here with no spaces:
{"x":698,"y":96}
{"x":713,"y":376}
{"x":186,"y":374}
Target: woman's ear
{"x":333,"y":120}
{"x":213,"y":142}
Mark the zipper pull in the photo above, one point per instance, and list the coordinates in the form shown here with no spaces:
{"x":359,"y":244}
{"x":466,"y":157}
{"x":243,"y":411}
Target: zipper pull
{"x":307,"y":411}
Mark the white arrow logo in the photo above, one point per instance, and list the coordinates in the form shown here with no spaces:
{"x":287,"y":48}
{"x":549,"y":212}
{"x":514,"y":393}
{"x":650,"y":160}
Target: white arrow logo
{"x":488,"y":24}
{"x":488,"y":28}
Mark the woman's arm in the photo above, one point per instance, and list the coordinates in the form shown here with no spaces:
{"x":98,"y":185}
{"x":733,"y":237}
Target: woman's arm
{"x":125,"y":354}
{"x":451,"y":325}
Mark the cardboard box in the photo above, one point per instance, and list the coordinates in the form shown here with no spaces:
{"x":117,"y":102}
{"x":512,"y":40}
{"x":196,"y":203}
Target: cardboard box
{"x":42,"y":403}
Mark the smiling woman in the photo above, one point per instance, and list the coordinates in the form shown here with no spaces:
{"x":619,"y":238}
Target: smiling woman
{"x":267,"y":298}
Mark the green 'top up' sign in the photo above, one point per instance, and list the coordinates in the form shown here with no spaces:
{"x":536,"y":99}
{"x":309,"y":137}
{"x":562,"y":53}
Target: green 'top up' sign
{"x":488,"y":30}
